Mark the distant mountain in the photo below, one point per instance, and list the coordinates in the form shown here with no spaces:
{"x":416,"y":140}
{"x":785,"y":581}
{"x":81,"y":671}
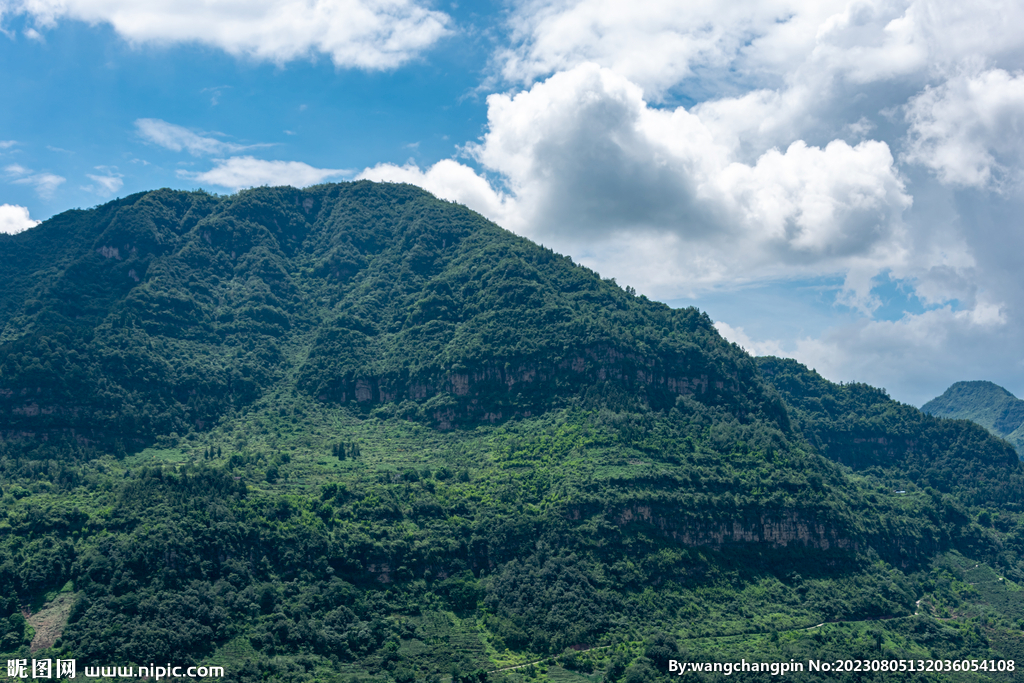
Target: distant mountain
{"x":985,"y":403}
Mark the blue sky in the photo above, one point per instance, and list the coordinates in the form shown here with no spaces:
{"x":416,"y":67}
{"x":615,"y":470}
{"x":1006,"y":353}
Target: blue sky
{"x":837,"y":181}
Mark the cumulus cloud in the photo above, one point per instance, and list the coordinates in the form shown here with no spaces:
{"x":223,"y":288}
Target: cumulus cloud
{"x":178,"y":138}
{"x":15,"y":219}
{"x":238,"y":173}
{"x":586,"y":161}
{"x":367,"y":34}
{"x":659,"y":44}
{"x":653,"y":43}
{"x":767,"y":73}
{"x":968,"y":129}
{"x":453,"y":181}
{"x":45,"y":184}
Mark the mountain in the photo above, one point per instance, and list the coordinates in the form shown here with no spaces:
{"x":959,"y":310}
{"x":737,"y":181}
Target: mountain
{"x":356,"y":433}
{"x":164,"y":311}
{"x":988,"y":404}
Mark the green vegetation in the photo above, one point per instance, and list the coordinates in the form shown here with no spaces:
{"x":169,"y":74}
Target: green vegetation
{"x":988,"y":404}
{"x":354,"y":433}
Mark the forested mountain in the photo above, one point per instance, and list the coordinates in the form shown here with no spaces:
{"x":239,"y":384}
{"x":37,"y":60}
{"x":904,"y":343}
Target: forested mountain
{"x":988,"y":404}
{"x":353,"y":432}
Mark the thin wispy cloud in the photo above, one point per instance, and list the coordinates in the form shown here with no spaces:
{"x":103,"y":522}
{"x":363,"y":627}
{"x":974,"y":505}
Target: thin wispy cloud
{"x":178,"y":138}
{"x":107,"y":184}
{"x":45,"y":184}
{"x":243,"y":172}
{"x":216,"y":92}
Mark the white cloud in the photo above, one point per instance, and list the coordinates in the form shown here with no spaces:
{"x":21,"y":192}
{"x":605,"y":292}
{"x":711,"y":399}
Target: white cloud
{"x":7,"y":144}
{"x":918,"y":356}
{"x":217,"y":92}
{"x":914,"y":357}
{"x":860,"y":128}
{"x":659,"y":44}
{"x":836,"y":201}
{"x":177,"y":138}
{"x":242,"y":172}
{"x":44,"y":183}
{"x":737,"y":335}
{"x":450,"y":180}
{"x":653,"y":196}
{"x":766,"y":73}
{"x":968,"y":130}
{"x":653,"y":43}
{"x":107,"y":184}
{"x":15,"y":219}
{"x":368,"y":34}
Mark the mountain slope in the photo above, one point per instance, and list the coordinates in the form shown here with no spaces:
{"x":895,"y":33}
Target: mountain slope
{"x":861,"y":427}
{"x":988,"y":404}
{"x":355,"y":432}
{"x":179,"y":307}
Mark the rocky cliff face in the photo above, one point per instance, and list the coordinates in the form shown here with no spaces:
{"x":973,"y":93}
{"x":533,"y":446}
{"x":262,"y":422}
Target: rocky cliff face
{"x":767,"y":527}
{"x":493,"y":392}
{"x":773,"y":529}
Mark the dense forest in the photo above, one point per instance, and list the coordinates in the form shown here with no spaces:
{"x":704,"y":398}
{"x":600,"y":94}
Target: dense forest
{"x":356,"y":433}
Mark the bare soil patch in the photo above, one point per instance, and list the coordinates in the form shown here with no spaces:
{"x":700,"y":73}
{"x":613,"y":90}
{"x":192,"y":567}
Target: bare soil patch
{"x":50,"y":620}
